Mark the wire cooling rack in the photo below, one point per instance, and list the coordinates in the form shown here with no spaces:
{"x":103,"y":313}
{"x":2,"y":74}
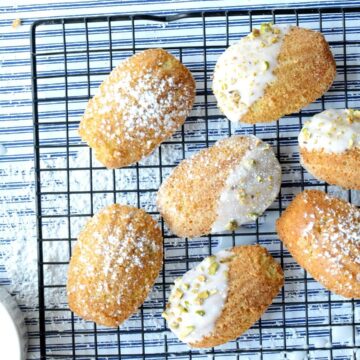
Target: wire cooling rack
{"x":70,"y":57}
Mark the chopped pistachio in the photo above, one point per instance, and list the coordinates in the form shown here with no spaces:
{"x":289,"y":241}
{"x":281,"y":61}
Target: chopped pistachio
{"x":198,"y":301}
{"x":252,"y":162}
{"x":235,"y":96}
{"x":306,"y":133}
{"x":265,"y":65}
{"x":179,"y":319}
{"x":259,"y":179}
{"x":186,"y":286}
{"x":227,"y":259}
{"x":256,"y":32}
{"x":351,"y":143}
{"x":276,"y":31}
{"x":175,"y":325}
{"x":231,"y":225}
{"x":178,"y":294}
{"x":265,"y":27}
{"x":200,"y":312}
{"x":213,"y":292}
{"x":201,"y":278}
{"x":213,"y":268}
{"x":182,"y":309}
{"x":165,"y":315}
{"x":353,"y":115}
{"x":356,"y":114}
{"x":203,"y":295}
{"x":196,"y":286}
{"x":270,"y":177}
{"x":187,"y":304}
{"x":187,"y":331}
{"x":253,"y":215}
{"x":274,"y":40}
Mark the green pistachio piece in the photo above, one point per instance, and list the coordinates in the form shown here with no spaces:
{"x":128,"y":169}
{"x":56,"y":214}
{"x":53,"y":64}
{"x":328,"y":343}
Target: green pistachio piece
{"x":200,"y":312}
{"x":213,"y":268}
{"x":203,"y":295}
{"x":182,"y":309}
{"x":256,"y":32}
{"x":306,"y":133}
{"x":265,"y":27}
{"x":231,"y":225}
{"x":165,"y":315}
{"x":198,"y":301}
{"x":253,"y":215}
{"x":178,"y":294}
{"x":187,"y":331}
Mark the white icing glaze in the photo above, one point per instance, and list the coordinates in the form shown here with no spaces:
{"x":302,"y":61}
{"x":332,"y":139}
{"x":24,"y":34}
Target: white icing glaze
{"x":245,"y":68}
{"x":333,"y":131}
{"x":195,"y":325}
{"x":249,"y":189}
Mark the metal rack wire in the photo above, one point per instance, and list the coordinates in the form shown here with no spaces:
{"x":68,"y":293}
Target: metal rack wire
{"x":64,"y":77}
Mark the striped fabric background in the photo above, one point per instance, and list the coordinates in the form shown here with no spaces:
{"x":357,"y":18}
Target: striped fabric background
{"x":17,"y":197}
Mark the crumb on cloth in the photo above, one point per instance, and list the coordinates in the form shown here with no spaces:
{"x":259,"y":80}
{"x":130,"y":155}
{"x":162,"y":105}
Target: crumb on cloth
{"x":16,"y":23}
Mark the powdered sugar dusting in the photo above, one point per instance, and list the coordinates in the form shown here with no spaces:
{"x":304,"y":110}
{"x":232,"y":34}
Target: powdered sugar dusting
{"x":138,"y":105}
{"x":112,"y":249}
{"x":335,"y":236}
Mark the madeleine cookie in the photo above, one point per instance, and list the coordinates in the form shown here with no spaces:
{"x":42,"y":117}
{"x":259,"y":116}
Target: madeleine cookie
{"x":221,"y":187}
{"x":274,"y":71}
{"x":140,"y":104}
{"x":322,"y":233}
{"x":330,"y":147}
{"x":223,"y":296}
{"x":114,"y":264}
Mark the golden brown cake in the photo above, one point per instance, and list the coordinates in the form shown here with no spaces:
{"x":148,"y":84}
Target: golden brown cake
{"x":322,"y":233}
{"x":220,"y":188}
{"x":329,"y":146}
{"x":274,"y":71}
{"x":140,"y":104}
{"x":114,"y":264}
{"x":223,"y":296}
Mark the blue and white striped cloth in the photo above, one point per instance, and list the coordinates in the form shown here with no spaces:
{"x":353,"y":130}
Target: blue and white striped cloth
{"x":322,"y":329}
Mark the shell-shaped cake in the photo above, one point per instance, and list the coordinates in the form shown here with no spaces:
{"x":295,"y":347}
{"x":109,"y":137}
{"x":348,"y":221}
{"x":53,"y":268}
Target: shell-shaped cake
{"x":329,"y":146}
{"x":140,"y":104}
{"x":114,"y":264}
{"x":322,"y":233}
{"x":273,"y":71}
{"x":223,"y":296}
{"x":221,"y":187}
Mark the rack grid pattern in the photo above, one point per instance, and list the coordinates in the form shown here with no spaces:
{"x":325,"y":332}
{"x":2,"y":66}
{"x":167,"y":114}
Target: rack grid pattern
{"x":304,"y":320}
